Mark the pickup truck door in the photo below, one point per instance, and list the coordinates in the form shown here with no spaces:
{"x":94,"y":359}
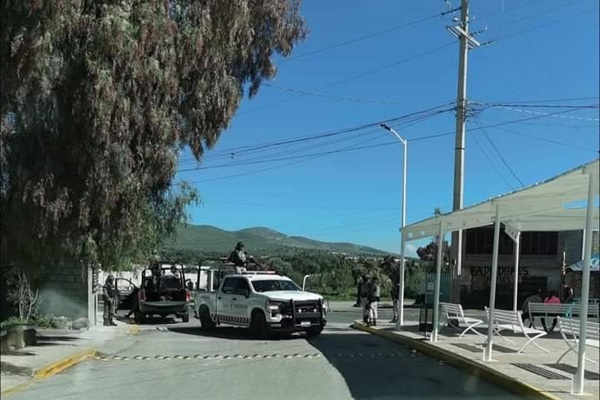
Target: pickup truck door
{"x":241,"y":303}
{"x":226,"y":296}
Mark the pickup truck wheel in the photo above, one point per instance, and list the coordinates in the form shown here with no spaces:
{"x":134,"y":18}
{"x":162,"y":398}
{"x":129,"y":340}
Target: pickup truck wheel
{"x":205,"y":321}
{"x":185,"y":317}
{"x":314,"y":332}
{"x":259,"y":326}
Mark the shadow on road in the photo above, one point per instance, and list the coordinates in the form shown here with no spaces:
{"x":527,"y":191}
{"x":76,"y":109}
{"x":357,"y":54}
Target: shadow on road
{"x":228,"y":332}
{"x":374,"y":368}
{"x":148,"y":320}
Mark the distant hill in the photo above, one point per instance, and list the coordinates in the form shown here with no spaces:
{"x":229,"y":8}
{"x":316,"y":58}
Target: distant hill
{"x":258,"y":240}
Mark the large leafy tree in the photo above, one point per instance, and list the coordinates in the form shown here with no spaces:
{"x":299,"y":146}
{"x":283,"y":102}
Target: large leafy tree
{"x":97,"y":99}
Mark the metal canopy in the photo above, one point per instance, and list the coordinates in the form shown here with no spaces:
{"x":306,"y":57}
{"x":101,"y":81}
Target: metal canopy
{"x":546,"y":206}
{"x":541,"y":207}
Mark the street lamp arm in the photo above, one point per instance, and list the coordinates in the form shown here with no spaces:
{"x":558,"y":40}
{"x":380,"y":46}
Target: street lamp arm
{"x":400,"y":138}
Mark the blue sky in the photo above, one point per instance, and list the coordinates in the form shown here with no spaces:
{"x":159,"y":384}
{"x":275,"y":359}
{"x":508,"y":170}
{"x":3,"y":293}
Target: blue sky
{"x":347,"y":186}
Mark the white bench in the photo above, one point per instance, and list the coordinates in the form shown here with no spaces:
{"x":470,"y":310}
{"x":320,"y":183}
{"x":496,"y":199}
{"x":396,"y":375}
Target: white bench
{"x":569,"y":329}
{"x":511,"y":320}
{"x":553,"y":310}
{"x":455,"y":312}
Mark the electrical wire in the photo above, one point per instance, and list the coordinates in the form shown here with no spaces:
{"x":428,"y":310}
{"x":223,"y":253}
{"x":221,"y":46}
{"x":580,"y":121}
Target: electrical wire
{"x":542,"y":25}
{"x":260,"y":149}
{"x":361,"y":38}
{"x":352,"y":78}
{"x":342,"y":98}
{"x":506,"y":164}
{"x":487,"y":156}
{"x":544,"y":139}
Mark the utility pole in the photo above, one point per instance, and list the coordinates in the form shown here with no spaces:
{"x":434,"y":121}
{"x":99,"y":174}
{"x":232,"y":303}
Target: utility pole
{"x":466,"y":42}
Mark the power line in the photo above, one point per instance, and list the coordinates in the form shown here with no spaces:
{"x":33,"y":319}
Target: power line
{"x":301,"y":156}
{"x":506,"y":164}
{"x":277,"y":145}
{"x":532,"y":16}
{"x":352,"y":78}
{"x":523,"y":103}
{"x":544,"y":139}
{"x":354,"y":147}
{"x":361,"y":38}
{"x":536,"y":27}
{"x":487,"y":156}
{"x":520,"y":110}
{"x":342,"y":98}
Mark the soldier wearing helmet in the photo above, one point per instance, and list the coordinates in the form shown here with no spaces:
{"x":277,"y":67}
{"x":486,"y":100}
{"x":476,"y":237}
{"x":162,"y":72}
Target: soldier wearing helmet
{"x":240,"y":258}
{"x":109,"y":298}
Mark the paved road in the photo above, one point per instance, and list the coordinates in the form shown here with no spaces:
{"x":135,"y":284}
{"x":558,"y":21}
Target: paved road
{"x":178,"y":360}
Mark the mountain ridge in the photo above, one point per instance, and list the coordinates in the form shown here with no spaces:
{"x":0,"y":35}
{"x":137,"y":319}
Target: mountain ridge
{"x":209,"y":238}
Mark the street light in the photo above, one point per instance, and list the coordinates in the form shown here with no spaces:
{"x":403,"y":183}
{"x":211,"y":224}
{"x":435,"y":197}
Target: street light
{"x":404,"y":142}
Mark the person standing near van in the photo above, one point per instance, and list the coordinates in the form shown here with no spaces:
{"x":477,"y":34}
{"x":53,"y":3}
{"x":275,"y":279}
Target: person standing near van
{"x":374,"y":298}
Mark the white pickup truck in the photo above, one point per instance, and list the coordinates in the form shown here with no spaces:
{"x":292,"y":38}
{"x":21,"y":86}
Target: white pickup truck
{"x":263,"y":301}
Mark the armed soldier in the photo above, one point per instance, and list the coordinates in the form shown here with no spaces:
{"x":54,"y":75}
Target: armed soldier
{"x":373,"y":301}
{"x":109,"y":298}
{"x":365,"y":289}
{"x":240,"y":258}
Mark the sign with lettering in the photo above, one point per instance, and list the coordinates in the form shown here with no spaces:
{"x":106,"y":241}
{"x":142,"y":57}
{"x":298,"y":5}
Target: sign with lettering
{"x":505,"y":274}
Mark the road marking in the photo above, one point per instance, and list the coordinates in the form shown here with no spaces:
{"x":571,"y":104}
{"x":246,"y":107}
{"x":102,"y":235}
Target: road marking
{"x":181,"y":357}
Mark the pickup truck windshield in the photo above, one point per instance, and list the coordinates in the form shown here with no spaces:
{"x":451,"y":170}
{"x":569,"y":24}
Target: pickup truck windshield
{"x":274,"y":285}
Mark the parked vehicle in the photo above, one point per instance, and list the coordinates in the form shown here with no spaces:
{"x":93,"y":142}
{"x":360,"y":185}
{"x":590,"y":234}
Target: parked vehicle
{"x":263,"y":301}
{"x":162,"y":292}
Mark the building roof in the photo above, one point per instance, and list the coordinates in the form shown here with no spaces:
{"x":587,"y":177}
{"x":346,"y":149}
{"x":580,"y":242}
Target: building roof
{"x":545,"y":206}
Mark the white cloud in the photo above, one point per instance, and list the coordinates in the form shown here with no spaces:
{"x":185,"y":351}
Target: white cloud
{"x":411,"y":250}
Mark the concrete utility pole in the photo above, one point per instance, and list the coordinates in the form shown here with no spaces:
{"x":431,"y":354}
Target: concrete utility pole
{"x":466,"y":41}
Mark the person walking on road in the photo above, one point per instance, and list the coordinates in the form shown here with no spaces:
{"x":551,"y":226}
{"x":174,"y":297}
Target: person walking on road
{"x":365,"y":289}
{"x":109,"y":300}
{"x":395,"y":292}
{"x":374,"y":298}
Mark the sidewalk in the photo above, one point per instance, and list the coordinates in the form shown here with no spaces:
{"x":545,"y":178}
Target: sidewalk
{"x":347,"y":305}
{"x":55,"y":351}
{"x":532,"y":373}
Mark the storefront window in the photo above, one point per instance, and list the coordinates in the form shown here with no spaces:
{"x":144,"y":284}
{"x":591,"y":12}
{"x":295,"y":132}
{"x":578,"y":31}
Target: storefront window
{"x":481,"y":241}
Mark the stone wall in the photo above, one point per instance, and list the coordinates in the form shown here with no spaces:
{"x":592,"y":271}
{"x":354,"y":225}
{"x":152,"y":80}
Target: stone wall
{"x":65,"y":290}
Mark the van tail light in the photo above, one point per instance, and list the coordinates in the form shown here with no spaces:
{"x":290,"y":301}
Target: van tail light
{"x":188,"y":295}
{"x":142,"y":295}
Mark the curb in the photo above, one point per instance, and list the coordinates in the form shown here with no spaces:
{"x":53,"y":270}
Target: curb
{"x":491,"y":375}
{"x":50,"y":370}
{"x":62,"y":364}
{"x":16,"y":388}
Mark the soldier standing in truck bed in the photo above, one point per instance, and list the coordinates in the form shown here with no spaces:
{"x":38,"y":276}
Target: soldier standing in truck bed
{"x":240,"y":258}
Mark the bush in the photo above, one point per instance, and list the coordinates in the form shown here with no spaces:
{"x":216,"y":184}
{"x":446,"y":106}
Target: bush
{"x":50,"y":321}
{"x":12,"y":321}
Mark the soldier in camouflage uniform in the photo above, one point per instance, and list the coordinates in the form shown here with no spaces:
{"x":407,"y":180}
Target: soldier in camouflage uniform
{"x":109,"y":299}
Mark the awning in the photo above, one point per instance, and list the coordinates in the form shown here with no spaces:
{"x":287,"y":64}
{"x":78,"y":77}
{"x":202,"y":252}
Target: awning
{"x":545,"y":206}
{"x":594,"y":267}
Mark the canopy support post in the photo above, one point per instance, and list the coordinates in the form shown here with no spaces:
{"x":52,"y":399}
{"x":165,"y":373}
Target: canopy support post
{"x":578,"y":382}
{"x":436,"y":294}
{"x":487,"y":352}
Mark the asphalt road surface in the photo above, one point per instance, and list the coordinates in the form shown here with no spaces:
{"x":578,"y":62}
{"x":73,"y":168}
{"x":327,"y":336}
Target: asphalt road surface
{"x":179,"y":361}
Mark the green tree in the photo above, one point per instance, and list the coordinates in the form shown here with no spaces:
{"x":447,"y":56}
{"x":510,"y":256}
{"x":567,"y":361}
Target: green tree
{"x":97,"y":99}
